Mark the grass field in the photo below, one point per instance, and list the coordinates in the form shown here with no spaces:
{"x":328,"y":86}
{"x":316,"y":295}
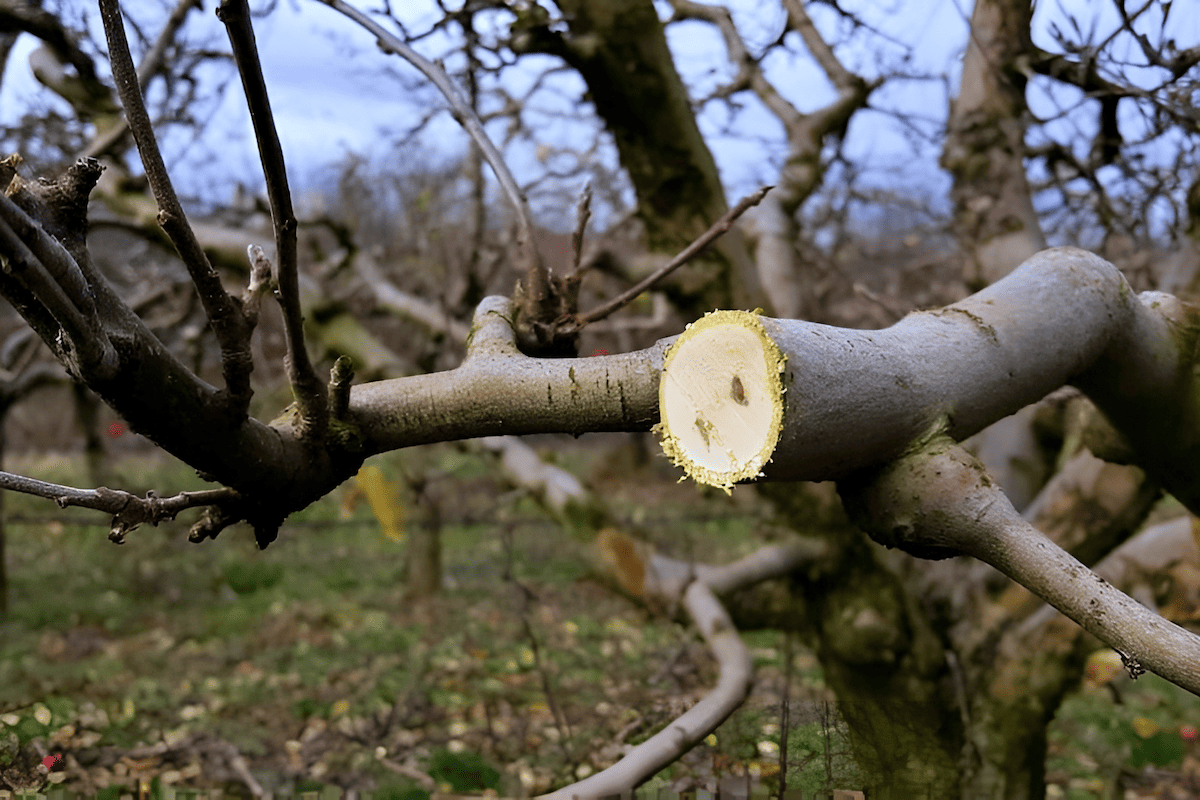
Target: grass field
{"x":217,"y":666}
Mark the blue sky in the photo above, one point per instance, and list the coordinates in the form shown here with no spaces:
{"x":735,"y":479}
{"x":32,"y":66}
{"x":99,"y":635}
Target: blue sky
{"x":331,"y":91}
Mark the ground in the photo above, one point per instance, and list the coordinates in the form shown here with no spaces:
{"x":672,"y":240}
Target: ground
{"x":217,"y":666}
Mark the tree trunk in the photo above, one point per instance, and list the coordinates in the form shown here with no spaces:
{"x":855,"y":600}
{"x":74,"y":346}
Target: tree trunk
{"x":424,"y":554}
{"x":985,"y":143}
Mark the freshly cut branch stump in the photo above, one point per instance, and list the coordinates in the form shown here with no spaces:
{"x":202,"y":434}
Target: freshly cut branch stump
{"x":721,"y":398}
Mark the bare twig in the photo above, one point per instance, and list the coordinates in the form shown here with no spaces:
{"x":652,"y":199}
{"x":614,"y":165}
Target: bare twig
{"x":153,"y":59}
{"x":462,"y":112}
{"x":224,"y":314}
{"x":886,"y":304}
{"x":310,"y":394}
{"x":694,"y":249}
{"x":340,"y":378}
{"x":260,"y":283}
{"x":128,"y":510}
{"x":583,"y":212}
{"x":150,"y":64}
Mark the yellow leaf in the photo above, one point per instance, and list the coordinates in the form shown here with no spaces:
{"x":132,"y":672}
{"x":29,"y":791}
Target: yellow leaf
{"x":1144,"y":728}
{"x":1102,"y":666}
{"x":384,"y":497}
{"x":622,"y":556}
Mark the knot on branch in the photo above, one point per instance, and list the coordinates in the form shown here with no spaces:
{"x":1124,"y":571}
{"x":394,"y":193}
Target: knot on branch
{"x":130,"y":511}
{"x":548,"y":325}
{"x":214,"y":520}
{"x":60,"y":205}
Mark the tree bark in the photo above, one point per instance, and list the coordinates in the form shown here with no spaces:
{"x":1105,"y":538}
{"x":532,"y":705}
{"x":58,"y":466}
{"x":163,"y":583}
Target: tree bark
{"x":985,"y":143}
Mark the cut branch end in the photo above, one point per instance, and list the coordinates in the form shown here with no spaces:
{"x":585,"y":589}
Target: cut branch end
{"x":721,"y":399}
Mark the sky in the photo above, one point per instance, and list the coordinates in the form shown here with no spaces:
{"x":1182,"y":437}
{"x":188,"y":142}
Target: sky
{"x":333,"y":91}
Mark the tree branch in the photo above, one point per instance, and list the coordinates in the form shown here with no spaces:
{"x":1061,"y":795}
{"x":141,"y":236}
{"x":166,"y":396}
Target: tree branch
{"x":128,"y":510}
{"x":694,"y":249}
{"x":224,"y":313}
{"x":937,"y":501}
{"x":310,"y":393}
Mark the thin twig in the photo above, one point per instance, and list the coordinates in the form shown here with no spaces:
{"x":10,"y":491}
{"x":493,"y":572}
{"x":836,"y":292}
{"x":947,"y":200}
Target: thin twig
{"x":465,"y":116}
{"x":260,"y":283}
{"x":149,"y":66}
{"x":309,"y":390}
{"x":886,"y":304}
{"x":583,"y":212}
{"x":340,"y":378}
{"x":153,"y":59}
{"x":128,"y":510}
{"x":224,"y":314}
{"x":694,"y":249}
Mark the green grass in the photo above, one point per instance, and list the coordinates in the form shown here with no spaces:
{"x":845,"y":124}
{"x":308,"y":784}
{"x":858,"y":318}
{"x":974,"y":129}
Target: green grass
{"x":313,"y":640}
{"x":311,"y":661}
